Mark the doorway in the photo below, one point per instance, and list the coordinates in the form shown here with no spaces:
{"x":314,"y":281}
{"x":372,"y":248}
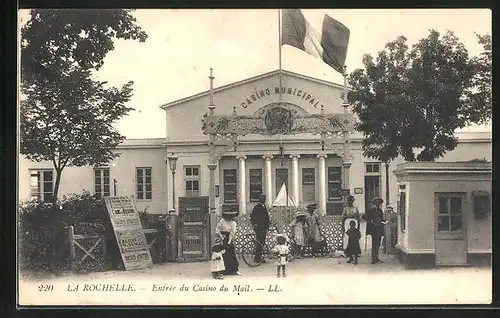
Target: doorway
{"x":372,"y":190}
{"x":450,"y":229}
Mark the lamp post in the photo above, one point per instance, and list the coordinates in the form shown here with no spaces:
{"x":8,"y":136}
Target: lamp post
{"x":172,"y":162}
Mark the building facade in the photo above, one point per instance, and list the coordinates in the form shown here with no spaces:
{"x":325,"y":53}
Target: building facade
{"x":258,"y":164}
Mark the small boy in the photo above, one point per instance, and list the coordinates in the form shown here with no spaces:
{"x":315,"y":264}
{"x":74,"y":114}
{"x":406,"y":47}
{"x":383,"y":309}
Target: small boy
{"x":216,"y":262}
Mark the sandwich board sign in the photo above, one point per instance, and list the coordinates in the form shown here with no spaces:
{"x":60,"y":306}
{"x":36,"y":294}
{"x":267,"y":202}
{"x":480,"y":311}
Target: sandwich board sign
{"x":127,"y":226}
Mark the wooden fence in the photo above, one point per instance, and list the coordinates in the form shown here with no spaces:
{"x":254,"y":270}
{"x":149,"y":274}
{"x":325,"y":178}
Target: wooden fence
{"x":90,"y":251}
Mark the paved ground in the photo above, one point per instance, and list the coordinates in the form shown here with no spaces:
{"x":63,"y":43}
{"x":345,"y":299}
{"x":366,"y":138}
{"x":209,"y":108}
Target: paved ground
{"x":320,"y":281}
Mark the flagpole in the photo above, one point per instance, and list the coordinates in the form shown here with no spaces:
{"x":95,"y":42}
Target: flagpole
{"x":279,"y":49}
{"x":346,"y":163}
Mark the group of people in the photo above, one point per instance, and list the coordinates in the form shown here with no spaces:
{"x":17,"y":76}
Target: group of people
{"x":305,"y":230}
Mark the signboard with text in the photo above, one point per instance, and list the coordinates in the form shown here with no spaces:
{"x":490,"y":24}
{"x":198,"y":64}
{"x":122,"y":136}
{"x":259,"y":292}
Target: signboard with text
{"x":128,"y":231}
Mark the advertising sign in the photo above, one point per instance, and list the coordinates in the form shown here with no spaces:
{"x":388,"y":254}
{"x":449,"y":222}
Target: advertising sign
{"x":128,"y":231}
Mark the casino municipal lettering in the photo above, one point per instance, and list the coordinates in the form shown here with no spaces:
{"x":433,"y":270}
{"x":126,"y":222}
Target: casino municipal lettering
{"x":238,"y":141}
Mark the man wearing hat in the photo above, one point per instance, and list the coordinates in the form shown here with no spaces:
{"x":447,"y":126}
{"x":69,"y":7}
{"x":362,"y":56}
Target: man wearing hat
{"x":260,"y":222}
{"x":375,"y":227}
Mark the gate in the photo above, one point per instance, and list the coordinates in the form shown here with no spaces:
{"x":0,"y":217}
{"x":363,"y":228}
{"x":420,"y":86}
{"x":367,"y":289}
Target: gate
{"x":193,"y":228}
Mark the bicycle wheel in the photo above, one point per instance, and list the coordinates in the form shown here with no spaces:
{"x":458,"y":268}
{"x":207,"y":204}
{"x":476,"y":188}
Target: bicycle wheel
{"x":248,"y":253}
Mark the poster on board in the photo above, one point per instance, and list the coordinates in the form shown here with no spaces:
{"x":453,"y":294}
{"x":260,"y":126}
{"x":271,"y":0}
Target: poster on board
{"x":131,"y":240}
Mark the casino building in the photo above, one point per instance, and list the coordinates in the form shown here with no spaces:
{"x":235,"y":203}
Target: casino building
{"x":234,"y":142}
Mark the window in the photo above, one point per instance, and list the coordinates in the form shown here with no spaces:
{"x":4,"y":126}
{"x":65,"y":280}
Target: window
{"x":230,"y":186}
{"x":281,"y":177}
{"x":255,"y":184}
{"x":372,"y":168}
{"x":192,"y":180}
{"x":101,"y":182}
{"x":402,"y":206}
{"x":334,"y":183}
{"x":41,"y":185}
{"x":308,"y":187}
{"x":449,"y":217}
{"x":144,"y":184}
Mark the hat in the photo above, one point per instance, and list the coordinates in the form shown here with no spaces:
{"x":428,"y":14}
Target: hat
{"x":300,"y":213}
{"x":312,"y":206}
{"x":217,"y":242}
{"x":281,"y":235}
{"x":350,"y":197}
{"x":262,"y":196}
{"x":377,"y":199}
{"x":389,"y":207}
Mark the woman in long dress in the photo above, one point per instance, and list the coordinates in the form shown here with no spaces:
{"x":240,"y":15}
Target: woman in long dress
{"x":350,"y":213}
{"x":226,"y":229}
{"x":313,"y":228}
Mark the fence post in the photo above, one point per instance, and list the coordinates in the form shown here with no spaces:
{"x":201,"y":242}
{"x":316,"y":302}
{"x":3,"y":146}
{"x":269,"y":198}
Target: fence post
{"x":104,"y":248}
{"x":71,"y":240}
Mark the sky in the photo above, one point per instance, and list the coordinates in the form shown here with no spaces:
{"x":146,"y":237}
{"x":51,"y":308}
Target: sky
{"x":182,"y":45}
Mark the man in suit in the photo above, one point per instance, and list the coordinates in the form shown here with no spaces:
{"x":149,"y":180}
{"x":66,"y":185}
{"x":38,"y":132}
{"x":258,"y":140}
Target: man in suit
{"x":260,"y":222}
{"x":375,"y":227}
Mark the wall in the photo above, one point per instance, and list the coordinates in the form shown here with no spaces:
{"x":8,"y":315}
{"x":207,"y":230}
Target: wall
{"x":192,"y":110}
{"x":79,"y":179}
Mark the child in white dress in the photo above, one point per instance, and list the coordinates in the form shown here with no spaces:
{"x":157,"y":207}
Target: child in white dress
{"x":217,"y":262}
{"x":281,"y":251}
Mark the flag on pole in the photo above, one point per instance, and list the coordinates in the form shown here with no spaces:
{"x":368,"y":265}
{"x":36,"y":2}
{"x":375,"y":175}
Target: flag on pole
{"x":328,"y":42}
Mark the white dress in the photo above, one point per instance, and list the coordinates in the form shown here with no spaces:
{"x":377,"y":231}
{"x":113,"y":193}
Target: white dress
{"x":282,"y":251}
{"x":217,"y":263}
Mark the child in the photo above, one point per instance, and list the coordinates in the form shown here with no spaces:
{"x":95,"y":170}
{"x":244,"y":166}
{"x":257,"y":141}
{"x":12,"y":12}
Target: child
{"x":216,"y":262}
{"x":353,"y":249}
{"x":281,"y":251}
{"x":298,"y":229}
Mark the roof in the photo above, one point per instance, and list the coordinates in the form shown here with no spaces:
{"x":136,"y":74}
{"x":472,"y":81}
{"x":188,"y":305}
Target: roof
{"x":478,"y":136}
{"x":249,"y":80}
{"x":444,"y":167}
{"x":143,"y":143}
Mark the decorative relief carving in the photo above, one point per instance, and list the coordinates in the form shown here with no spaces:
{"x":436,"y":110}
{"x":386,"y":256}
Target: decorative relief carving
{"x":278,"y":120}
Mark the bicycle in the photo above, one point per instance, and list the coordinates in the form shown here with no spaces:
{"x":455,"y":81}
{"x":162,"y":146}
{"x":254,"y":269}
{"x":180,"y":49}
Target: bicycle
{"x":251,"y":244}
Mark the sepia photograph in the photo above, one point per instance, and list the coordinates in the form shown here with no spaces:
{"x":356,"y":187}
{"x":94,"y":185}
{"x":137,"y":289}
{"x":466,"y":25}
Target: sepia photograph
{"x":254,"y":157}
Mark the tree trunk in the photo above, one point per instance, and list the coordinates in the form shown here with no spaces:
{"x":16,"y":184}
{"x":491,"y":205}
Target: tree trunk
{"x":56,"y":221}
{"x":387,"y":198}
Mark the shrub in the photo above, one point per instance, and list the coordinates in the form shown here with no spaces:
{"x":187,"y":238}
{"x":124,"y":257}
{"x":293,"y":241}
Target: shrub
{"x":43,"y":233}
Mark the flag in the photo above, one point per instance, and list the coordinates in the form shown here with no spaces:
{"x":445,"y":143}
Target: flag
{"x":329,"y":43}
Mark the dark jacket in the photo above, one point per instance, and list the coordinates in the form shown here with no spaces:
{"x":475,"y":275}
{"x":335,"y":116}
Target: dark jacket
{"x":374,"y":218}
{"x":259,"y":217}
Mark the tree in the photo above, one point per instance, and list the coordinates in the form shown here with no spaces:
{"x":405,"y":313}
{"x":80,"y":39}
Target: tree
{"x":377,"y":95}
{"x":480,"y":95}
{"x":416,"y":98}
{"x":67,"y":117}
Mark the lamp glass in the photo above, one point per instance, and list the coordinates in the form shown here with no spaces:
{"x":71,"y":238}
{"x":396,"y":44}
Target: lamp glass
{"x":172,"y":161}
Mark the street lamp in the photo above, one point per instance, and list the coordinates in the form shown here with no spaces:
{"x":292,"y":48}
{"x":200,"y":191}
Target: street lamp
{"x":172,"y":161}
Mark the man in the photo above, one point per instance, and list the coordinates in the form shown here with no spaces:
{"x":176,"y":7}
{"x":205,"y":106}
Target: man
{"x":375,"y":227}
{"x":260,"y":222}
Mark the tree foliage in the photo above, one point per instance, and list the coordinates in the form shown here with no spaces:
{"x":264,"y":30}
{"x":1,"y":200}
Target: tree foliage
{"x":415,"y":98}
{"x":66,"y":116}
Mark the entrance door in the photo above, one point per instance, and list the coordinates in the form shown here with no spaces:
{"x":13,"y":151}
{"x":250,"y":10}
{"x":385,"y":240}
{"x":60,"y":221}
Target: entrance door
{"x":372,"y":190}
{"x":194,"y":228}
{"x":450,"y":229}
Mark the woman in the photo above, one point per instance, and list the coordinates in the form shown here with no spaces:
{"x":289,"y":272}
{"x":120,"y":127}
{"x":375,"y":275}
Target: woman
{"x":226,"y":229}
{"x":313,"y":229}
{"x":350,"y":213}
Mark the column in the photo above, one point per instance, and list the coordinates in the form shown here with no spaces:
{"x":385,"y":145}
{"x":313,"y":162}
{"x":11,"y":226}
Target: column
{"x":295,"y":177}
{"x":242,"y":190}
{"x":347,"y":165}
{"x":268,"y":179}
{"x":322,"y":184}
{"x":211,"y":192}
